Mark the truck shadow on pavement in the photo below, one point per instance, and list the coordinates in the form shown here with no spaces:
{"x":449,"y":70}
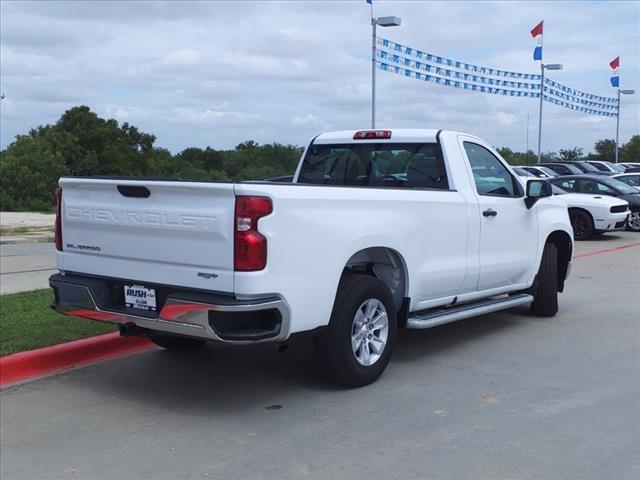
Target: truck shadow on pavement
{"x":222,"y":379}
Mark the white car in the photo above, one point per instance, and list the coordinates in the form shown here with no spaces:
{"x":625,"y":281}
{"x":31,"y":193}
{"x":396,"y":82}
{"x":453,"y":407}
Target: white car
{"x":631,"y":179}
{"x":379,"y":230}
{"x":591,"y":214}
{"x":535,"y":171}
{"x":607,"y":166}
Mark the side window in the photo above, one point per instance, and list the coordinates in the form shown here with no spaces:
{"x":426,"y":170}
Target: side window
{"x":568,"y":185}
{"x":591,"y":186}
{"x":490,"y":175}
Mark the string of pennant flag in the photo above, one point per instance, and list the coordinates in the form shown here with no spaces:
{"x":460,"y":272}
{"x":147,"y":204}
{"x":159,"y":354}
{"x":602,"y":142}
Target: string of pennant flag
{"x":413,"y":63}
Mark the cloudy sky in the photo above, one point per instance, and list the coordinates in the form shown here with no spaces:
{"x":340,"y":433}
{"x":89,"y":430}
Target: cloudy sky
{"x":218,"y":73}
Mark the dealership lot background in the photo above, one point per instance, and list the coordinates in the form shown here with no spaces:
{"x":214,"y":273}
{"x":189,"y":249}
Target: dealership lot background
{"x":229,"y":91}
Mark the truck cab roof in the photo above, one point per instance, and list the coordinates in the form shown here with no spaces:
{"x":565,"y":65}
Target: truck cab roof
{"x":398,"y":135}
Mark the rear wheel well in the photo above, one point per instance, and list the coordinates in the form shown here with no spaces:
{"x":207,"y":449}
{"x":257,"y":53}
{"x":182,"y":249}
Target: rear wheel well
{"x":385,"y":264}
{"x":564,"y":245}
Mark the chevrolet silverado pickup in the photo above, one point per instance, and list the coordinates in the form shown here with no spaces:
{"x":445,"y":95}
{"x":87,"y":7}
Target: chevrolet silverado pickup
{"x":379,"y":230}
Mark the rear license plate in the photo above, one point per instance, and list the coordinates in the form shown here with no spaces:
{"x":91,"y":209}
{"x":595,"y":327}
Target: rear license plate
{"x":137,"y":296}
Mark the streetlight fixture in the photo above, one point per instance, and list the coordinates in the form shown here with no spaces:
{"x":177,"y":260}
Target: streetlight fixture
{"x":623,"y":92}
{"x":383,"y":22}
{"x":543,"y":67}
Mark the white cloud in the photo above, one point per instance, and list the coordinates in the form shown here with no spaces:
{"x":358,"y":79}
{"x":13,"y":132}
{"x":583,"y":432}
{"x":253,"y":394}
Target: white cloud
{"x":218,"y":73}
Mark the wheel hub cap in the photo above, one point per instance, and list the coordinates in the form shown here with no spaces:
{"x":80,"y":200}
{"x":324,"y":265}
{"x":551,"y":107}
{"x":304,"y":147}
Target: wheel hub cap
{"x":369,"y":332}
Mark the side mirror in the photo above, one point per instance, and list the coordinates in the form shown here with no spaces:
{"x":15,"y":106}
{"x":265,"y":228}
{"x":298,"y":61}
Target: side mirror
{"x":537,"y":189}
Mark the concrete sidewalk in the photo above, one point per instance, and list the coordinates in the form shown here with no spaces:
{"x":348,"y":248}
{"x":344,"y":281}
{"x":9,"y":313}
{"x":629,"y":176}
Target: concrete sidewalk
{"x":26,"y":266}
{"x":26,"y":227}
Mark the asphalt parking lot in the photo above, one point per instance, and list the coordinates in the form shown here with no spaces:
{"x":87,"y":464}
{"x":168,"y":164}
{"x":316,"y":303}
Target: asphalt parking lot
{"x":506,"y":395}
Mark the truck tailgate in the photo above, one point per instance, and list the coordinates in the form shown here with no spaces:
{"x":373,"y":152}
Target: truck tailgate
{"x":164,"y":232}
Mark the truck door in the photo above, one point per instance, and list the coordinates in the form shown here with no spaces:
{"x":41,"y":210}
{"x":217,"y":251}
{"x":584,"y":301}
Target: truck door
{"x":508,"y":230}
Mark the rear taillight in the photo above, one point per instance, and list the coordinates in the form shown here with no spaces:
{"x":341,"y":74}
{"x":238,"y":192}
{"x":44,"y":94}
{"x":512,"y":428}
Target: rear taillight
{"x":250,"y":245}
{"x":58,"y":224}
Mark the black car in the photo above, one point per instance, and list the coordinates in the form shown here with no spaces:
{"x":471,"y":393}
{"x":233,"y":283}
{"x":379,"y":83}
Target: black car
{"x":562,"y":168}
{"x":587,"y":168}
{"x":599,"y":185}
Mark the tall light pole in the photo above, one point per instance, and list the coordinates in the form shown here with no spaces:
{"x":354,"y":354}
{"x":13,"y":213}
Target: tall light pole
{"x":623,"y":92}
{"x":543,"y":67}
{"x":383,"y":22}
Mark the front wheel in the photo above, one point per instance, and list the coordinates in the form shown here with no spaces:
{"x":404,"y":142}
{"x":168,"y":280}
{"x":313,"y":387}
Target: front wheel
{"x":581,"y":223}
{"x":633,"y":222}
{"x":545,"y":292}
{"x":176,"y":342}
{"x":356,"y":346}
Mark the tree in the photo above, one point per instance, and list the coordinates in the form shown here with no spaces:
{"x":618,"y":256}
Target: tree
{"x":570,"y":155}
{"x":605,"y":150}
{"x":29,"y":172}
{"x":517,"y":158}
{"x":630,"y":151}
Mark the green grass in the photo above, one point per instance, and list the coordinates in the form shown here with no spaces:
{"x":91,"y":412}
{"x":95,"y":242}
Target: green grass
{"x":27,"y":322}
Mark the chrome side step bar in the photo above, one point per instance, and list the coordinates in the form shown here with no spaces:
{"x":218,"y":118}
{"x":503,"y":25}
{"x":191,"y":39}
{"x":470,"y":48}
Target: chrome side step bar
{"x":431,"y":319}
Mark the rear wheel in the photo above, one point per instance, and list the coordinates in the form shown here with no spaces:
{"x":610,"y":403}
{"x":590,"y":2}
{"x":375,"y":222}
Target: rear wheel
{"x":545,"y":292}
{"x":176,"y":342}
{"x":356,"y":347}
{"x":581,"y":223}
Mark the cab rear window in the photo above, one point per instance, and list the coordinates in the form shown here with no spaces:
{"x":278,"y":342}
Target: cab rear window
{"x":409,"y":165}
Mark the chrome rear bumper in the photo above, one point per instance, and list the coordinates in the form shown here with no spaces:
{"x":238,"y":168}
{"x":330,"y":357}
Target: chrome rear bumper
{"x":81,"y":297}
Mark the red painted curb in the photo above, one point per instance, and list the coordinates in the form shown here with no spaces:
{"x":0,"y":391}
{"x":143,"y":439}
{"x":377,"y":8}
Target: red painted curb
{"x":43,"y":361}
{"x":607,"y":250}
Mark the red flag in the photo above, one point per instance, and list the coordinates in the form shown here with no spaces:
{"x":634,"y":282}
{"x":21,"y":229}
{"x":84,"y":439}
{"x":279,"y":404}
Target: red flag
{"x":537,"y":30}
{"x":615,"y":63}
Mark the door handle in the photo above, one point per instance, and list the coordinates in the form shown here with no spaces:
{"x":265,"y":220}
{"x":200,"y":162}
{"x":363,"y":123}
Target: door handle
{"x":489,"y":213}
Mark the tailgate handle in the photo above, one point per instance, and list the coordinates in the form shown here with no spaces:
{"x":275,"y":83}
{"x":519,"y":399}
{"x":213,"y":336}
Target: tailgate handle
{"x":136,"y":191}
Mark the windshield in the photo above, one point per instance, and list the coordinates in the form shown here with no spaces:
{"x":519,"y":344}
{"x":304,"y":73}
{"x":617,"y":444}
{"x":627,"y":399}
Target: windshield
{"x":621,"y":187}
{"x":600,"y":167}
{"x":617,"y":167}
{"x":548,"y":171}
{"x":586,"y":167}
{"x":522,"y":172}
{"x":409,"y":165}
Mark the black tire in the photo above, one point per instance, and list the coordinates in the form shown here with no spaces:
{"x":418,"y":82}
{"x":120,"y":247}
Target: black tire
{"x":333,"y":346}
{"x":545,"y":291}
{"x":582,"y":224}
{"x":176,"y":342}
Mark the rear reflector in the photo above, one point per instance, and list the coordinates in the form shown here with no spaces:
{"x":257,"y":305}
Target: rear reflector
{"x":58,"y":223}
{"x":250,"y":244}
{"x":372,"y":134}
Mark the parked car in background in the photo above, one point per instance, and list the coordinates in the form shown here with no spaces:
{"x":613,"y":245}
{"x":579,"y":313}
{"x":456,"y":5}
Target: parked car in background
{"x":607,"y":167}
{"x":523,"y":173}
{"x":380,"y":230}
{"x":540,"y":172}
{"x":586,"y":167}
{"x":593,"y":214}
{"x":632,"y":167}
{"x":589,"y":214}
{"x":598,"y":185}
{"x":632,"y":179}
{"x":562,"y":168}
{"x":628,"y":165}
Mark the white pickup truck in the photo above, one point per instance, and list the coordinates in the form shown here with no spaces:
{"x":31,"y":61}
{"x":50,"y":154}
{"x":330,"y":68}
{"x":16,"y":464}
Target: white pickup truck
{"x":379,"y":230}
